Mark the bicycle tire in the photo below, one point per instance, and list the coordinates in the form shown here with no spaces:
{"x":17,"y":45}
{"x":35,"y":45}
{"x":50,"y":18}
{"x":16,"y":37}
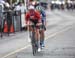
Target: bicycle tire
{"x":34,"y":45}
{"x":34,"y":50}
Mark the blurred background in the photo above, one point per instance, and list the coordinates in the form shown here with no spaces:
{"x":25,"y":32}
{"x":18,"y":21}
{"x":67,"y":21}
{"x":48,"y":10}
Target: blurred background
{"x":12,"y":12}
{"x":47,"y":4}
{"x":60,"y":33}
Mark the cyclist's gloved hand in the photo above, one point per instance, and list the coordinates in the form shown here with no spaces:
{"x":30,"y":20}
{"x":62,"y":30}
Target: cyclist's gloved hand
{"x":45,"y":28}
{"x":31,"y":17}
{"x":38,"y":24}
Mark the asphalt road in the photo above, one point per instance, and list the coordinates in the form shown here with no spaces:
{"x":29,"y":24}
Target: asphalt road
{"x":59,"y":41}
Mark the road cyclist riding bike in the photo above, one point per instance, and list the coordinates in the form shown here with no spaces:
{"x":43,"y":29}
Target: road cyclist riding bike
{"x":33,"y":21}
{"x":43,"y":19}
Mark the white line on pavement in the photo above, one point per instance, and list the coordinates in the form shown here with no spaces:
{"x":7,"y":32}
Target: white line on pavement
{"x":49,"y":36}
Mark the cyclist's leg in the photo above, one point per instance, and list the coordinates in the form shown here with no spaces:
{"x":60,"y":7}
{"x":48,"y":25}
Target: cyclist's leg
{"x":42,"y":36}
{"x":33,"y":41}
{"x":37,"y":35}
{"x":38,"y":39}
{"x":30,"y":31}
{"x":33,"y":35}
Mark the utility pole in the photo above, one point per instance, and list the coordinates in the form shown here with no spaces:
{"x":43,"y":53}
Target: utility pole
{"x":17,"y":0}
{"x":10,"y":2}
{"x":25,"y":3}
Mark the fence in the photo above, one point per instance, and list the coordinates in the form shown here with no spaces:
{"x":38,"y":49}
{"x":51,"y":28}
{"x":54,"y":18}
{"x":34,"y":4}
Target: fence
{"x":1,"y":19}
{"x":10,"y":21}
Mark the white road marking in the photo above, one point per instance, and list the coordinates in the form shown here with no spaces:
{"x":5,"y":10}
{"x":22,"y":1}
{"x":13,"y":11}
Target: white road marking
{"x":47,"y":37}
{"x":16,"y":51}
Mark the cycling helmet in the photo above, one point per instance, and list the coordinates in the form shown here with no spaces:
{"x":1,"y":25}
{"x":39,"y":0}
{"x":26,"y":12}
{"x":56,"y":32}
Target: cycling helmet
{"x":31,"y":7}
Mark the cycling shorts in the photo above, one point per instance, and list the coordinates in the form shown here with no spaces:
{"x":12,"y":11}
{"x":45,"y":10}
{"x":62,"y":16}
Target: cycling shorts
{"x":42,"y":27}
{"x":34,"y":23}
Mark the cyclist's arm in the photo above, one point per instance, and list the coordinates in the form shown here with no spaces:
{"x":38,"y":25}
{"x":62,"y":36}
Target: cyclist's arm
{"x":27,"y":20}
{"x":38,"y":16}
{"x":44,"y":16}
{"x":45,"y":20}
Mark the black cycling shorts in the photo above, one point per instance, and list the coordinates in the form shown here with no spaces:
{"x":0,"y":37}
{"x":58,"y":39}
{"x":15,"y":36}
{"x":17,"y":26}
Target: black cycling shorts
{"x":34,"y":23}
{"x":43,"y":26}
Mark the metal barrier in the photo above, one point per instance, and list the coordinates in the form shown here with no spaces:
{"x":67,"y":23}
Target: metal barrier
{"x":11,"y":18}
{"x":1,"y":19}
{"x":17,"y":20}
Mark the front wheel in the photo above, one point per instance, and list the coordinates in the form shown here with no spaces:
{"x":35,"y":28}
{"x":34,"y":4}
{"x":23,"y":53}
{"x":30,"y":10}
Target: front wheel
{"x":34,"y":48}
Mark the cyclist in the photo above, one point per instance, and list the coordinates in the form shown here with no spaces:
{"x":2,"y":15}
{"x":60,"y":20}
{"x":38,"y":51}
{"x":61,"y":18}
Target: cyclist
{"x":43,"y":19}
{"x":33,"y":17}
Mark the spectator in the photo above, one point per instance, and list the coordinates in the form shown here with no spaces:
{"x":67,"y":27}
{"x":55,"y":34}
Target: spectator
{"x":20,"y":7}
{"x":1,"y":13}
{"x":9,"y":15}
